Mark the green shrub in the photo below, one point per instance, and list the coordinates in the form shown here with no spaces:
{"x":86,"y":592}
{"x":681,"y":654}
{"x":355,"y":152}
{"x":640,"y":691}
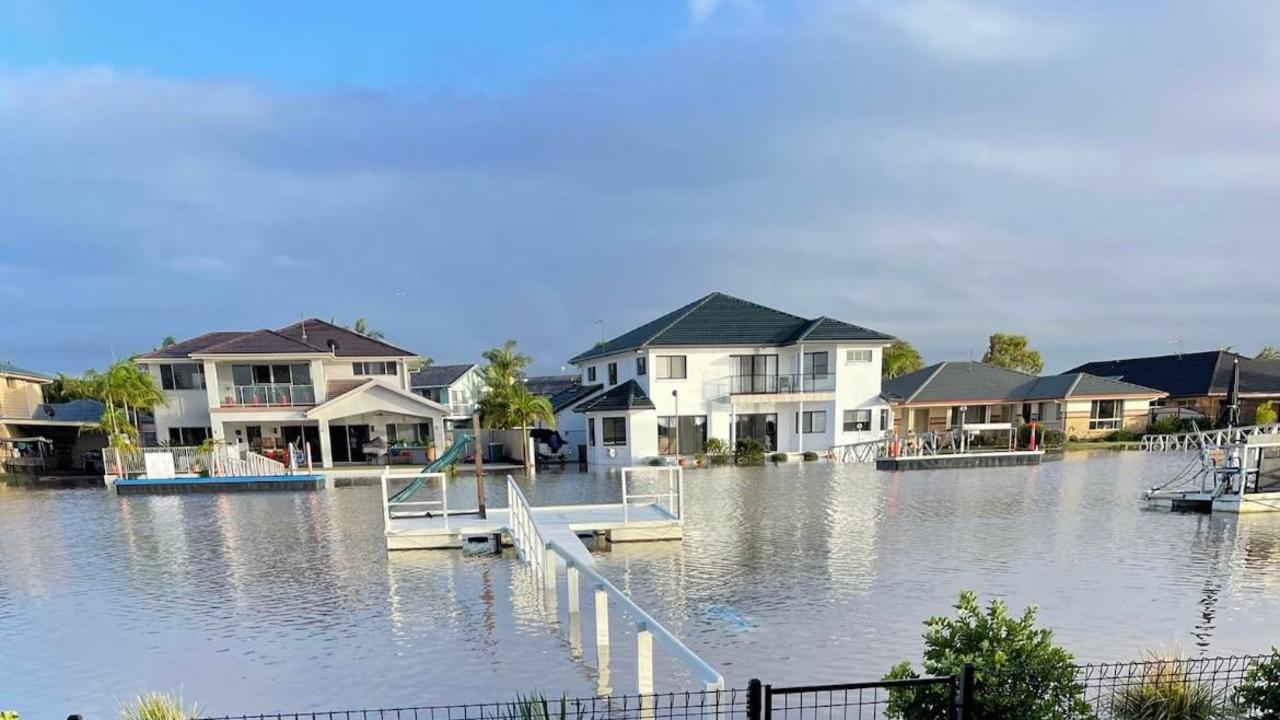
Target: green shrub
{"x":1019,"y":673}
{"x":810,"y":456}
{"x":1163,"y":690}
{"x":716,"y":446}
{"x":1164,"y":426}
{"x":1260,"y":692}
{"x":1265,"y":414}
{"x":778,"y":457}
{"x":750,"y":451}
{"x":1047,"y":437}
{"x":720,"y":459}
{"x":1121,"y":436}
{"x":655,"y":462}
{"x":536,"y":707}
{"x":155,"y":706}
{"x":8,"y":715}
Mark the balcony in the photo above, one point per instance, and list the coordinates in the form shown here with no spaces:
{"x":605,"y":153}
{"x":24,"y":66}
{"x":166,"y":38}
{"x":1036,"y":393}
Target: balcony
{"x":267,"y":395}
{"x":781,"y":384}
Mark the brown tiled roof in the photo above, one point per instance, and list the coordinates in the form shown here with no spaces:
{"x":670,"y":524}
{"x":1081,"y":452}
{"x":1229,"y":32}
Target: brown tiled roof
{"x":334,"y":388}
{"x":349,"y":342}
{"x":260,"y":342}
{"x":195,"y":344}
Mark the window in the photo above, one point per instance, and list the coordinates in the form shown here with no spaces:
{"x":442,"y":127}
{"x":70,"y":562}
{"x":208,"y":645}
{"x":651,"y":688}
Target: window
{"x":591,"y":432}
{"x":642,"y":366}
{"x":691,"y":431}
{"x":187,"y":436}
{"x":812,"y":421}
{"x":1105,"y":414}
{"x":859,"y":420}
{"x":852,"y":357}
{"x":414,"y":434}
{"x":185,"y":376}
{"x":613,"y":373}
{"x":757,"y":374}
{"x":671,"y":367}
{"x":884,"y":418}
{"x":974,"y":415}
{"x":374,"y":368}
{"x":591,"y":374}
{"x":614,"y":430}
{"x":815,"y":364}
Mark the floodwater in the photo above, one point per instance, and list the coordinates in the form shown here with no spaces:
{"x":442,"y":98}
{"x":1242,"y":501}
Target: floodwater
{"x":798,"y":573}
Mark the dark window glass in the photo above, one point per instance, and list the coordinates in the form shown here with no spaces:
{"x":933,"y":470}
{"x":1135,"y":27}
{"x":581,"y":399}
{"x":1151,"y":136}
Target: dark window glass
{"x":241,"y":375}
{"x":591,"y":374}
{"x":814,"y":421}
{"x":591,"y":432}
{"x":262,"y":374}
{"x":614,"y":430}
{"x":642,"y":366}
{"x":613,"y":373}
{"x":357,"y":368}
{"x":692,"y":434}
{"x":166,"y":377}
{"x":280,"y":374}
{"x":301,"y":373}
{"x":815,"y":364}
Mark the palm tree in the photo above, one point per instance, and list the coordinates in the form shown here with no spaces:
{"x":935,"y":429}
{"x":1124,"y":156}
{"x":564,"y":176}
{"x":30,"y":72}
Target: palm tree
{"x":524,"y":409}
{"x":362,"y":327}
{"x":1268,"y":353}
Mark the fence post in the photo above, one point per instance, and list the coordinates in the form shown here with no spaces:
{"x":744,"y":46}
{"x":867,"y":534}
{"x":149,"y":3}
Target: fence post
{"x":753,"y":700}
{"x":965,"y":709}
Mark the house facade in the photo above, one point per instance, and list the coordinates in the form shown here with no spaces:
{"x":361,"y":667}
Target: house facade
{"x":20,"y":398}
{"x":456,"y":387}
{"x":722,"y":367}
{"x":343,"y":394}
{"x":1198,"y":382}
{"x":950,"y":394}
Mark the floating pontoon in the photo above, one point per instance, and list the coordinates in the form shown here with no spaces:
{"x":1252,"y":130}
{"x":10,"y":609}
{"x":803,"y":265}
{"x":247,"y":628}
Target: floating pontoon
{"x":1240,"y":477}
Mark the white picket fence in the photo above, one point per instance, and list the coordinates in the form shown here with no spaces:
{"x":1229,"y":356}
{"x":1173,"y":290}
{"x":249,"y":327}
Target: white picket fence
{"x":222,"y":461}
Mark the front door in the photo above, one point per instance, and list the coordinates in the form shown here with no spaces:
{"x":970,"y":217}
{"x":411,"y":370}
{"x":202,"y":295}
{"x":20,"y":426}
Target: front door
{"x":357,"y":437}
{"x":338,"y":443}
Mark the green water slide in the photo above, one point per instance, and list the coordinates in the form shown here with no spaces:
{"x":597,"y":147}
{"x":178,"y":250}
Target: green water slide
{"x":450,"y":456}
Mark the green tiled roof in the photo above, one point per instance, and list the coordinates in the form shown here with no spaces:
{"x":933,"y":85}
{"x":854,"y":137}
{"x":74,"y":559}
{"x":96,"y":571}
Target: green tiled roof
{"x":719,"y":319}
{"x":627,"y":396}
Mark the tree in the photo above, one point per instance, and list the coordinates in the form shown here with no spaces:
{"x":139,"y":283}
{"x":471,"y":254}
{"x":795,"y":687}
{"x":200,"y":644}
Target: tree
{"x":61,"y":390}
{"x":168,"y":341}
{"x":900,"y":358}
{"x":503,"y":404}
{"x":124,"y":389}
{"x":1018,"y":671}
{"x":523,"y":410}
{"x":1268,"y":353}
{"x":1011,"y":352}
{"x":362,"y":327}
{"x":1265,"y":414}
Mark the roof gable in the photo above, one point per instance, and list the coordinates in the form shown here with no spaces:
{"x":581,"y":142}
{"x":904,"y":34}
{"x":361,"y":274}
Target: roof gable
{"x":569,"y":397}
{"x":720,"y":319}
{"x":433,"y":376}
{"x":386,"y":397}
{"x":259,"y":342}
{"x":348,"y":342}
{"x":627,"y":396}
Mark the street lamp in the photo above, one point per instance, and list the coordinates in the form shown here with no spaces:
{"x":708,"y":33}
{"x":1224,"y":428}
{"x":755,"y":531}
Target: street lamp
{"x":676,"y":394}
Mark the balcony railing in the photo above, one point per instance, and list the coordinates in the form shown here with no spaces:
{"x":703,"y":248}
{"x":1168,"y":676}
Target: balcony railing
{"x":781,"y":384}
{"x":268,"y":395}
{"x":460,"y":409}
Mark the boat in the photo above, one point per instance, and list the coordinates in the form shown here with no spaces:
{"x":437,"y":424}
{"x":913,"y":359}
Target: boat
{"x":1240,"y":477}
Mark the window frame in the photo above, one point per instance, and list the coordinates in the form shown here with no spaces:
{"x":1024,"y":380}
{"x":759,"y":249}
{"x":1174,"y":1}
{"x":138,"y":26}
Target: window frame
{"x":699,"y":423}
{"x":1097,"y":421}
{"x":612,"y":369}
{"x":805,"y":422}
{"x":642,"y":366}
{"x":852,"y":356}
{"x":591,"y":373}
{"x":169,"y":376}
{"x":664,"y":371}
{"x":850,"y":422}
{"x":615,"y":422}
{"x":591,"y":432}
{"x":365,"y":368}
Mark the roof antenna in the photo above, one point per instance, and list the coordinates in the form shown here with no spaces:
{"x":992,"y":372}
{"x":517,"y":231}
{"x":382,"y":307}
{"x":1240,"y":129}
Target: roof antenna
{"x":304,"y":329}
{"x":601,"y":324}
{"x":1177,"y":350}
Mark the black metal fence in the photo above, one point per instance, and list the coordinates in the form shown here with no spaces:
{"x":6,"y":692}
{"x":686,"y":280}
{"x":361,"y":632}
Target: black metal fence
{"x":1105,"y":691}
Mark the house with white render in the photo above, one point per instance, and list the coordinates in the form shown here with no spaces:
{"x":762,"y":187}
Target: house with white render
{"x":345,"y":395}
{"x":723,"y":367}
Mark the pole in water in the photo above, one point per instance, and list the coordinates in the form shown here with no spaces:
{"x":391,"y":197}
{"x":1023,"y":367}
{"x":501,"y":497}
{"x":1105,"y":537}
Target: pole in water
{"x":475,"y":433}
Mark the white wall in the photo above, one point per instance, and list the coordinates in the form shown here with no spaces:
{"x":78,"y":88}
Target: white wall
{"x":642,"y":440}
{"x":183,"y":408}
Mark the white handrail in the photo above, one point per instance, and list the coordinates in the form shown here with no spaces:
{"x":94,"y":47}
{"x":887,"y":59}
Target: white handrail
{"x":712,"y":680}
{"x":525,"y":533}
{"x":674,"y":496}
{"x":388,"y":504}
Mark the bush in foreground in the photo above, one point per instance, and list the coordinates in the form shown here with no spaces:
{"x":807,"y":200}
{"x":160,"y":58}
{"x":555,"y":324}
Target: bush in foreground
{"x":750,"y":452}
{"x":156,"y":706}
{"x":1019,"y":673}
{"x":810,"y":456}
{"x":1260,"y":693}
{"x":1163,"y":690}
{"x":778,"y":457}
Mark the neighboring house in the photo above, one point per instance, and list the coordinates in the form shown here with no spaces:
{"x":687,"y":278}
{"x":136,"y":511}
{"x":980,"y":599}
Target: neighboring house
{"x":311,"y":382}
{"x":722,"y":367}
{"x":1198,"y":381}
{"x":942,"y":396}
{"x":35,"y":434}
{"x":549,"y":386}
{"x":571,"y":424}
{"x":457,"y":387}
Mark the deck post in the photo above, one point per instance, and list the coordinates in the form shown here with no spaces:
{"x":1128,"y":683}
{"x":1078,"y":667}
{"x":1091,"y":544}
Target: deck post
{"x":444,"y":499}
{"x":549,"y":576}
{"x":602,"y":619}
{"x":644,"y":659}
{"x":386,"y":504}
{"x":571,"y":587}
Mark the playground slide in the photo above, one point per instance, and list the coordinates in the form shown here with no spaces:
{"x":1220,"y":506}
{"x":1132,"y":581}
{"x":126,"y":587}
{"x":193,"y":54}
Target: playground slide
{"x":450,"y":456}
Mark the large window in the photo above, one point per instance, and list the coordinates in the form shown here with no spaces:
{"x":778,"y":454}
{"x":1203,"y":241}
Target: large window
{"x":758,"y":426}
{"x":614,"y":430}
{"x":755,"y":374}
{"x":415,"y":434}
{"x":591,"y":432}
{"x":816,"y":364}
{"x":187,"y":436}
{"x":671,"y":367}
{"x":974,"y":415}
{"x":691,"y":430}
{"x":642,"y":366}
{"x":374,"y":368}
{"x":857,"y":420}
{"x":1105,"y":414}
{"x":284,"y":384}
{"x":613,"y":373}
{"x":185,"y":376}
{"x":812,"y":421}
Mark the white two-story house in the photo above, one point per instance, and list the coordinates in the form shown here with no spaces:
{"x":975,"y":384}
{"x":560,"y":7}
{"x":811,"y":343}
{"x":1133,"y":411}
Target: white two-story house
{"x":722,"y":367}
{"x":457,"y":387}
{"x":312,"y":383}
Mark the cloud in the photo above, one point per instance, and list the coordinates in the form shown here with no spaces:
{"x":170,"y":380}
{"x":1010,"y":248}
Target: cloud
{"x":960,"y":30}
{"x":1099,"y":206}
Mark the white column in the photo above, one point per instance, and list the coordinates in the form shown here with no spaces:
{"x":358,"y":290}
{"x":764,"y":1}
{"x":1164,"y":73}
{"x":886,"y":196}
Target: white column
{"x":602,"y":618}
{"x":571,"y":589}
{"x":644,"y":659}
{"x":211,"y":383}
{"x":326,"y":448}
{"x":800,"y":413}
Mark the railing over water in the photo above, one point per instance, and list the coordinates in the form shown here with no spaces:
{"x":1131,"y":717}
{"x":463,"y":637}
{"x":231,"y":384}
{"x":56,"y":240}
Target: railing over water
{"x":220,"y":461}
{"x":1196,"y":440}
{"x":672,"y":500}
{"x":413,"y":508}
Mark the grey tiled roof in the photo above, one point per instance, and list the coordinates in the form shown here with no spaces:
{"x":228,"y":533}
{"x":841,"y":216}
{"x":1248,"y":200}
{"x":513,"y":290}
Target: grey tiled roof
{"x":720,"y":319}
{"x":627,"y":396}
{"x":549,"y":385}
{"x":960,"y":382}
{"x":1192,"y":374}
{"x":438,"y":375}
{"x":11,"y":369}
{"x":572,"y":395}
{"x":82,"y":411}
{"x":260,"y":342}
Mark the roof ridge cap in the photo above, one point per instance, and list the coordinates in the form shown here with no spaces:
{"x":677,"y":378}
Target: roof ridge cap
{"x":927,"y":380}
{"x":1074,"y":383}
{"x":693,"y":306}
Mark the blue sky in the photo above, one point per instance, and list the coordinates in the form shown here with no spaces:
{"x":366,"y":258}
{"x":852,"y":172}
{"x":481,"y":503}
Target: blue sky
{"x":1101,"y":177}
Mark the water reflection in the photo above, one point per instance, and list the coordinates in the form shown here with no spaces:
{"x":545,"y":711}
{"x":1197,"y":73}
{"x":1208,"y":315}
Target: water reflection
{"x":798,"y":573}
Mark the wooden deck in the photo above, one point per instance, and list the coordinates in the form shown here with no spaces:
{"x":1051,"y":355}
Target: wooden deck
{"x":562,"y":523}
